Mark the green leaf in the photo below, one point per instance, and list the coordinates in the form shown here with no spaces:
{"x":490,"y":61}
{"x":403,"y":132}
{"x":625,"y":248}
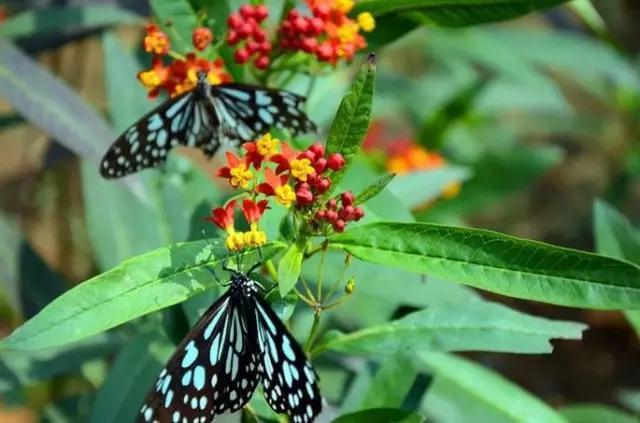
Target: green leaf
{"x":457,"y":327}
{"x":391,"y":383}
{"x":616,"y":237}
{"x":496,"y":392}
{"x":381,"y":415}
{"x":289,"y":269}
{"x":138,"y":286}
{"x":455,"y":12}
{"x":50,"y":104}
{"x":374,"y":189}
{"x":64,"y":19}
{"x":133,"y":372}
{"x":498,"y":263}
{"x":20,"y":369}
{"x":595,"y":413}
{"x":182,"y":19}
{"x":352,"y":118}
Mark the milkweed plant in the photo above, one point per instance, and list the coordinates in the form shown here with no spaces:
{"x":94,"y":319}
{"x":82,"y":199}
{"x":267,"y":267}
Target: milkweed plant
{"x":308,"y":223}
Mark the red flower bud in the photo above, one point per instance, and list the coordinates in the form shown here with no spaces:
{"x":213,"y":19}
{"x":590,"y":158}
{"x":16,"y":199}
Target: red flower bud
{"x":320,"y":165}
{"x":201,"y":38}
{"x":265,"y":47}
{"x":309,"y":44}
{"x":259,"y":35}
{"x":312,"y":179}
{"x":321,"y":215}
{"x":307,"y":155}
{"x":323,"y":184}
{"x":241,"y":56}
{"x":332,"y":204}
{"x":232,"y":37}
{"x":251,"y":46}
{"x":234,"y":21}
{"x":347,"y":198}
{"x":303,"y":186}
{"x":335,"y":161}
{"x":301,"y":24}
{"x":339,"y":225}
{"x":244,"y":30}
{"x":358,"y":213}
{"x":262,"y":62}
{"x":332,"y":216}
{"x":325,"y":51}
{"x":347,"y":213}
{"x":293,"y":15}
{"x":317,"y":26}
{"x":322,"y":11}
{"x":317,"y":149}
{"x":247,"y":11}
{"x":260,"y":12}
{"x":304,"y":197}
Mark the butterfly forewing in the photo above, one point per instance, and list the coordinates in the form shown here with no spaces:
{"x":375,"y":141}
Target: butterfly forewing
{"x":186,"y":119}
{"x":214,"y":369}
{"x":289,"y":382}
{"x":246,"y":111}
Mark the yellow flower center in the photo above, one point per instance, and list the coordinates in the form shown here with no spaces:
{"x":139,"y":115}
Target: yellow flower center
{"x":156,"y":43}
{"x":150,"y":78}
{"x":344,"y":6}
{"x":213,"y":78}
{"x":347,"y":32}
{"x":366,"y":21}
{"x":301,"y":168}
{"x":240,"y":176}
{"x":235,"y":241}
{"x":255,"y":237}
{"x":285,"y":195}
{"x":267,"y":145}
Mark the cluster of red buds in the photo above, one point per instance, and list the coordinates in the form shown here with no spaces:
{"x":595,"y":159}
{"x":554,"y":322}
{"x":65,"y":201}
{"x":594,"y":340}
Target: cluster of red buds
{"x":329,"y":33}
{"x":181,"y":73}
{"x":339,"y":215}
{"x":295,"y":179}
{"x":245,"y":28}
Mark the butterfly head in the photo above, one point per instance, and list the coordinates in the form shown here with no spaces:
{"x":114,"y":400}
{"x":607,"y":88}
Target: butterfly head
{"x":242,"y":283}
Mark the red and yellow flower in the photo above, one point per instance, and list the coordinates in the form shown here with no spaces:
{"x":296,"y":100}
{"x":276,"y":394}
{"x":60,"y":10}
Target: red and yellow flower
{"x":252,"y":213}
{"x":237,"y":171}
{"x":155,"y":41}
{"x":260,"y":150}
{"x":276,"y":186}
{"x":223,"y":217}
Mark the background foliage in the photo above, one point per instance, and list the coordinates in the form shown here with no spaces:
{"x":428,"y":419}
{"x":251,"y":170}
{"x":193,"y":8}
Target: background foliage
{"x":537,"y":118}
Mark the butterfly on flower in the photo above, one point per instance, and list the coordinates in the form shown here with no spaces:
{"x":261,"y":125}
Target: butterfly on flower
{"x":238,"y":342}
{"x":204,"y":117}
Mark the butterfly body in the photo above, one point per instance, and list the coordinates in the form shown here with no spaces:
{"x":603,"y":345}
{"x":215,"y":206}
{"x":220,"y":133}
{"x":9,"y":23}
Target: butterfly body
{"x":204,"y":117}
{"x":238,"y":342}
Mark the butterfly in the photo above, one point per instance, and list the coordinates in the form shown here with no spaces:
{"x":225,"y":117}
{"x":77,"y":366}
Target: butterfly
{"x":204,"y":117}
{"x":238,"y":342}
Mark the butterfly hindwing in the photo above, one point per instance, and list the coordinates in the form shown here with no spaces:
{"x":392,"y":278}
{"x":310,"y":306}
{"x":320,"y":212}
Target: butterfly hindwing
{"x":186,"y":119}
{"x":289,"y":381}
{"x":214,"y":369}
{"x":246,"y":111}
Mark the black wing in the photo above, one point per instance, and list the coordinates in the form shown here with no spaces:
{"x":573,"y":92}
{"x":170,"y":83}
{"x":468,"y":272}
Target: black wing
{"x":247,"y":111}
{"x":187,"y":119}
{"x":290,"y":383}
{"x":214,"y":369}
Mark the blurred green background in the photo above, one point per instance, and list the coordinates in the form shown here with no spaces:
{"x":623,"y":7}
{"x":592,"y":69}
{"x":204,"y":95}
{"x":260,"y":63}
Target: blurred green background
{"x":529,"y":127}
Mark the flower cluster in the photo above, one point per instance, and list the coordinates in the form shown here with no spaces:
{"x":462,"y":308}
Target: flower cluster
{"x":328,"y":33}
{"x":270,"y":169}
{"x":245,"y":30}
{"x":181,"y":73}
{"x":224,"y":218}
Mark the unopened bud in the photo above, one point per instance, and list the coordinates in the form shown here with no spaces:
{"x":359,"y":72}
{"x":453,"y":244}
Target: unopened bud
{"x":350,"y":286}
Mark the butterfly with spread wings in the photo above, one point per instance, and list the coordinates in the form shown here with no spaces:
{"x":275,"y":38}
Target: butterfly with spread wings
{"x":204,"y":117}
{"x":238,"y":342}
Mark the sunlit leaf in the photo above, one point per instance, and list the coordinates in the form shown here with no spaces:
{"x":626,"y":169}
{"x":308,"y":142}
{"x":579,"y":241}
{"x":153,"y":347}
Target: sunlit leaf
{"x":498,"y":263}
{"x":138,"y":286}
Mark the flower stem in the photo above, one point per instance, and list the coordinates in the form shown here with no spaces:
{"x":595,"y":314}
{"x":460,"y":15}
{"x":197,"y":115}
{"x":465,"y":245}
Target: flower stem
{"x":347,"y":263}
{"x":323,"y":255}
{"x":314,"y":329}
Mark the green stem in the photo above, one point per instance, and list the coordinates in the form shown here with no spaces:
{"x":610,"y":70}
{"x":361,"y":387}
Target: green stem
{"x":314,"y":329}
{"x":321,"y":271}
{"x":347,"y":263}
{"x":271,"y":268}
